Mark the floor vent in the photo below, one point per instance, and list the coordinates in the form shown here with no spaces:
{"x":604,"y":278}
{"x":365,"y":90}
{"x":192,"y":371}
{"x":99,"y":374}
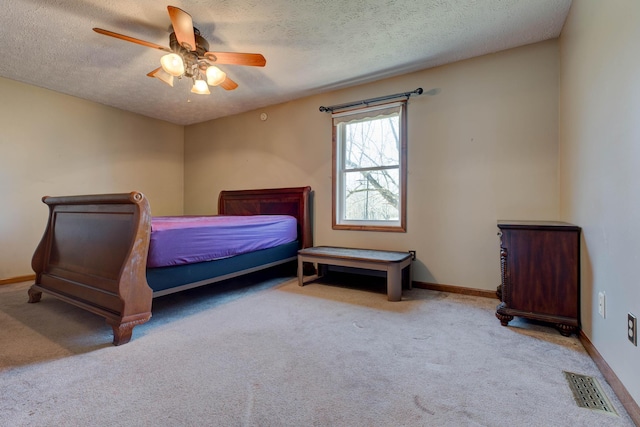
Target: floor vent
{"x":588,"y":393}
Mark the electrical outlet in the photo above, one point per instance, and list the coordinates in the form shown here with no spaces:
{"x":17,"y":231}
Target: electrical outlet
{"x":632,"y":329}
{"x":601,"y":304}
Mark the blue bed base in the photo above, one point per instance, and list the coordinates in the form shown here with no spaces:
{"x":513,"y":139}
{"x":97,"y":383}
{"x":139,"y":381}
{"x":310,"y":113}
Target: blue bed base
{"x":167,"y":280}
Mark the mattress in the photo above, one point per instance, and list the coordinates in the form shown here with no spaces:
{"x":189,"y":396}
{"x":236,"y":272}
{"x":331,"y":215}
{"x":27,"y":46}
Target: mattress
{"x":178,"y":240}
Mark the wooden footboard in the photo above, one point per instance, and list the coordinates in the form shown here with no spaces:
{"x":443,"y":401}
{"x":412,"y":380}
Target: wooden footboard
{"x":94,"y":254}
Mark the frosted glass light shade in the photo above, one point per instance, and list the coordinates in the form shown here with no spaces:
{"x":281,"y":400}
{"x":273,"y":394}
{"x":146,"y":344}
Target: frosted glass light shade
{"x":200,"y":87}
{"x":215,"y":75}
{"x":172,"y":63}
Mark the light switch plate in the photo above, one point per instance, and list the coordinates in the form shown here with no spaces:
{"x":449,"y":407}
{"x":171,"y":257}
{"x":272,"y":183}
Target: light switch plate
{"x":601,"y":304}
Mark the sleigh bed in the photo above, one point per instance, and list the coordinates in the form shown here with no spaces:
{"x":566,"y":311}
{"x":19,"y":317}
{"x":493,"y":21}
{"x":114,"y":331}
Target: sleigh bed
{"x":95,"y":250}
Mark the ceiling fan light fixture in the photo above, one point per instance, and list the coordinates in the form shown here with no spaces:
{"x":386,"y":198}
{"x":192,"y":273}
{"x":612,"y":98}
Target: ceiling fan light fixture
{"x":200,"y":87}
{"x":215,"y":75}
{"x":188,"y":55}
{"x":173,"y":64}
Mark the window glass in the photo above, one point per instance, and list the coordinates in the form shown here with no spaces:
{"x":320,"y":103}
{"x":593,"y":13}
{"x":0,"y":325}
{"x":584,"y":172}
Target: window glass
{"x":370,"y":168}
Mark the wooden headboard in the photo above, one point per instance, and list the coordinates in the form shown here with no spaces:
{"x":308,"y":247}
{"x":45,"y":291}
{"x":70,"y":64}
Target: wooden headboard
{"x":275,"y":201}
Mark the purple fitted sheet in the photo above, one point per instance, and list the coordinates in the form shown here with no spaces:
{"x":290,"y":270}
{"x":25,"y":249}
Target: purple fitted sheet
{"x":177,"y":240}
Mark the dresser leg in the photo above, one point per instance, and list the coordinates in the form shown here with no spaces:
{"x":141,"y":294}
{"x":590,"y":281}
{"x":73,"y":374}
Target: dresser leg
{"x":503,"y":318}
{"x":566,"y":330}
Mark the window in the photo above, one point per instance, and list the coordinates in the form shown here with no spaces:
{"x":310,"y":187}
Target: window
{"x":370,"y":168}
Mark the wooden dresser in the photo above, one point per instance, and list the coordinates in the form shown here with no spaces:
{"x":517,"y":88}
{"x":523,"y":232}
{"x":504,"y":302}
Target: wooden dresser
{"x":540,"y":273}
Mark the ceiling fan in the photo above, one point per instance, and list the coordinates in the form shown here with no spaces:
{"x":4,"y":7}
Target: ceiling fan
{"x":189,"y":56}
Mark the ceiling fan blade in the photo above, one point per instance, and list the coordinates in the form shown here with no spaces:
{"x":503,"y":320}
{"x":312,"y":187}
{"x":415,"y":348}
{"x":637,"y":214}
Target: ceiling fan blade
{"x":153,"y":73}
{"x":161,"y":75}
{"x":228,"y":84}
{"x":131,"y":39}
{"x":250,"y":59}
{"x":183,"y":27}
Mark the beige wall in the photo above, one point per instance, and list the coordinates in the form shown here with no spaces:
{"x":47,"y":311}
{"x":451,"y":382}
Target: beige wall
{"x":53,"y":144}
{"x":485,"y":148}
{"x":600,"y":168}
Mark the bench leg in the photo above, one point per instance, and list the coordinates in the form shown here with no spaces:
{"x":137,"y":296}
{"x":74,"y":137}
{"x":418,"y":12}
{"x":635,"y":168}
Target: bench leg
{"x":394,"y":283}
{"x":407,"y":276}
{"x":322,"y":270}
{"x":410,"y":276}
{"x":300,"y":272}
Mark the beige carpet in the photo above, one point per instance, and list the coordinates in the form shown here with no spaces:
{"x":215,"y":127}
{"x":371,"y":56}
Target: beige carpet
{"x":261,"y":351}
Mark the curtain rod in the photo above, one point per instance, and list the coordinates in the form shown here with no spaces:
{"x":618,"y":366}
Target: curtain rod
{"x":407,"y":95}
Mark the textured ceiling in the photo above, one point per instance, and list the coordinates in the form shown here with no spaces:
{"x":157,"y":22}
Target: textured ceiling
{"x":311,"y":46}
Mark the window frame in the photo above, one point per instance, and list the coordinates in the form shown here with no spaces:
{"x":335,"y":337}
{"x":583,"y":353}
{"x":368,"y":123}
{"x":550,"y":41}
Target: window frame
{"x":338,"y":221}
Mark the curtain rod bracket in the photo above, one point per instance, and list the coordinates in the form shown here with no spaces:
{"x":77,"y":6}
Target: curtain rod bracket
{"x":407,"y":95}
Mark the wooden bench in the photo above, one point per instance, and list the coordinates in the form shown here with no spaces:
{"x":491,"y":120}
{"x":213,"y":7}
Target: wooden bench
{"x":393,"y":263}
